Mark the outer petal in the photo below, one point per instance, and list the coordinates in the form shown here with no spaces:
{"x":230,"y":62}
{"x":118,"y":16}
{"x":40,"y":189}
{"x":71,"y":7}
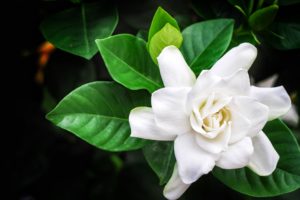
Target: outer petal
{"x":248,"y":117}
{"x":168,"y":106}
{"x":173,"y":68}
{"x":240,"y":57}
{"x":237,"y":155}
{"x":142,"y":125}
{"x":264,"y":159}
{"x":276,"y":98}
{"x":175,"y":187}
{"x":192,"y":161}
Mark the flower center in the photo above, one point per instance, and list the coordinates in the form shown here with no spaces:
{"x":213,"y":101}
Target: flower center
{"x":210,"y":115}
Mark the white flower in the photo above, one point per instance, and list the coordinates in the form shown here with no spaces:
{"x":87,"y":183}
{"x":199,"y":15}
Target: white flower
{"x":214,"y":120}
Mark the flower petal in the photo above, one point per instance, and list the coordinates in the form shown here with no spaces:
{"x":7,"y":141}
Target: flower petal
{"x":264,"y":158}
{"x":192,"y":161}
{"x":276,"y":98}
{"x":237,"y":155}
{"x":217,"y":144}
{"x":142,"y":125}
{"x":173,"y":68}
{"x":168,"y":106}
{"x":248,"y":117}
{"x":240,"y":57}
{"x":175,"y":187}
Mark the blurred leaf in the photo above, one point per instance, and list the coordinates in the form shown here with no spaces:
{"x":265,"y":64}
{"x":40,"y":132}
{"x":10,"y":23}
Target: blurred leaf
{"x":203,"y":9}
{"x":143,"y":34}
{"x":48,"y":102}
{"x":205,"y":42}
{"x":284,"y":36}
{"x":241,"y":4}
{"x":76,"y":29}
{"x":284,"y":179}
{"x":167,"y":36}
{"x":129,"y":62}
{"x":161,"y":17}
{"x":98,"y":112}
{"x":288,"y":2}
{"x":263,"y":17}
{"x":160,"y":156}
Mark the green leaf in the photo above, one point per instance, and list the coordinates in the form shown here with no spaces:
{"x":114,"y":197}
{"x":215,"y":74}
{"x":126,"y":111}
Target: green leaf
{"x":263,"y":17}
{"x":161,"y":17}
{"x":129,"y":63}
{"x":284,"y":36}
{"x":288,"y":2}
{"x":98,"y":112}
{"x":76,"y":29}
{"x":167,"y":36}
{"x":284,"y":179}
{"x":205,"y":42}
{"x":160,"y":156}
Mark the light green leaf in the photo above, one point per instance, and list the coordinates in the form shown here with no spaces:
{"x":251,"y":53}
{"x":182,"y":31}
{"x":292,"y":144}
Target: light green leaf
{"x":160,"y":156}
{"x":205,"y":42}
{"x":129,"y":63}
{"x":263,"y":17}
{"x":284,"y":179}
{"x":98,"y":113}
{"x":167,"y":36}
{"x":161,"y":17}
{"x":76,"y":29}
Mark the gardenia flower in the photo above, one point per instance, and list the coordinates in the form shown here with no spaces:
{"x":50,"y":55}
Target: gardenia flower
{"x":214,"y":120}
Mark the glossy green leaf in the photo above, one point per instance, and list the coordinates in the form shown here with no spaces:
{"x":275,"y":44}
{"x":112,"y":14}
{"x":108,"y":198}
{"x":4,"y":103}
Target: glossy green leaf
{"x":167,"y":36}
{"x":284,"y":179}
{"x":160,"y":156}
{"x":284,"y":36}
{"x":263,"y":17}
{"x":98,"y":113}
{"x":76,"y":29}
{"x":161,"y":17}
{"x":205,"y":42}
{"x":129,"y":63}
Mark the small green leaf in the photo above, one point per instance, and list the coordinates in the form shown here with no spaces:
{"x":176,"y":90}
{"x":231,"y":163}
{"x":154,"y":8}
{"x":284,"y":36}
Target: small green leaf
{"x":76,"y":29}
{"x":205,"y":42}
{"x":129,"y":63}
{"x":167,"y":36}
{"x":160,"y":156}
{"x":161,"y":17}
{"x":263,"y":17}
{"x":98,"y":113}
{"x":284,"y":179}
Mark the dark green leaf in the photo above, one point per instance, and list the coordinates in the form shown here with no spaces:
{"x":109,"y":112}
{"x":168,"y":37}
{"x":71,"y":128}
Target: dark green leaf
{"x":284,"y":36}
{"x":205,"y":42}
{"x":98,"y":113}
{"x":143,"y":34}
{"x":284,"y":179}
{"x":160,"y":156}
{"x":263,"y":17}
{"x":167,"y":36}
{"x":288,"y":2}
{"x":129,"y":63}
{"x":161,"y":17}
{"x":76,"y":29}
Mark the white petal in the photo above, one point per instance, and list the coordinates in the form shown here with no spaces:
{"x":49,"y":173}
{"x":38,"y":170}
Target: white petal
{"x":217,"y":144}
{"x":264,"y":158}
{"x":192,"y":161}
{"x":240,"y":57}
{"x":173,"y":68}
{"x":291,"y":117}
{"x":142,"y":125}
{"x":237,"y":155}
{"x":276,"y":98}
{"x":248,"y":117}
{"x":175,"y":187}
{"x":168,"y":106}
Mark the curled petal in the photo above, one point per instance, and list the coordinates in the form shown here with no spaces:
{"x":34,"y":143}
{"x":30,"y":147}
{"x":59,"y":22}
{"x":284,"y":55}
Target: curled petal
{"x":264,"y":158}
{"x":237,"y":155}
{"x":142,"y":125}
{"x":240,"y":57}
{"x":173,"y":68}
{"x":276,"y":98}
{"x":175,"y":187}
